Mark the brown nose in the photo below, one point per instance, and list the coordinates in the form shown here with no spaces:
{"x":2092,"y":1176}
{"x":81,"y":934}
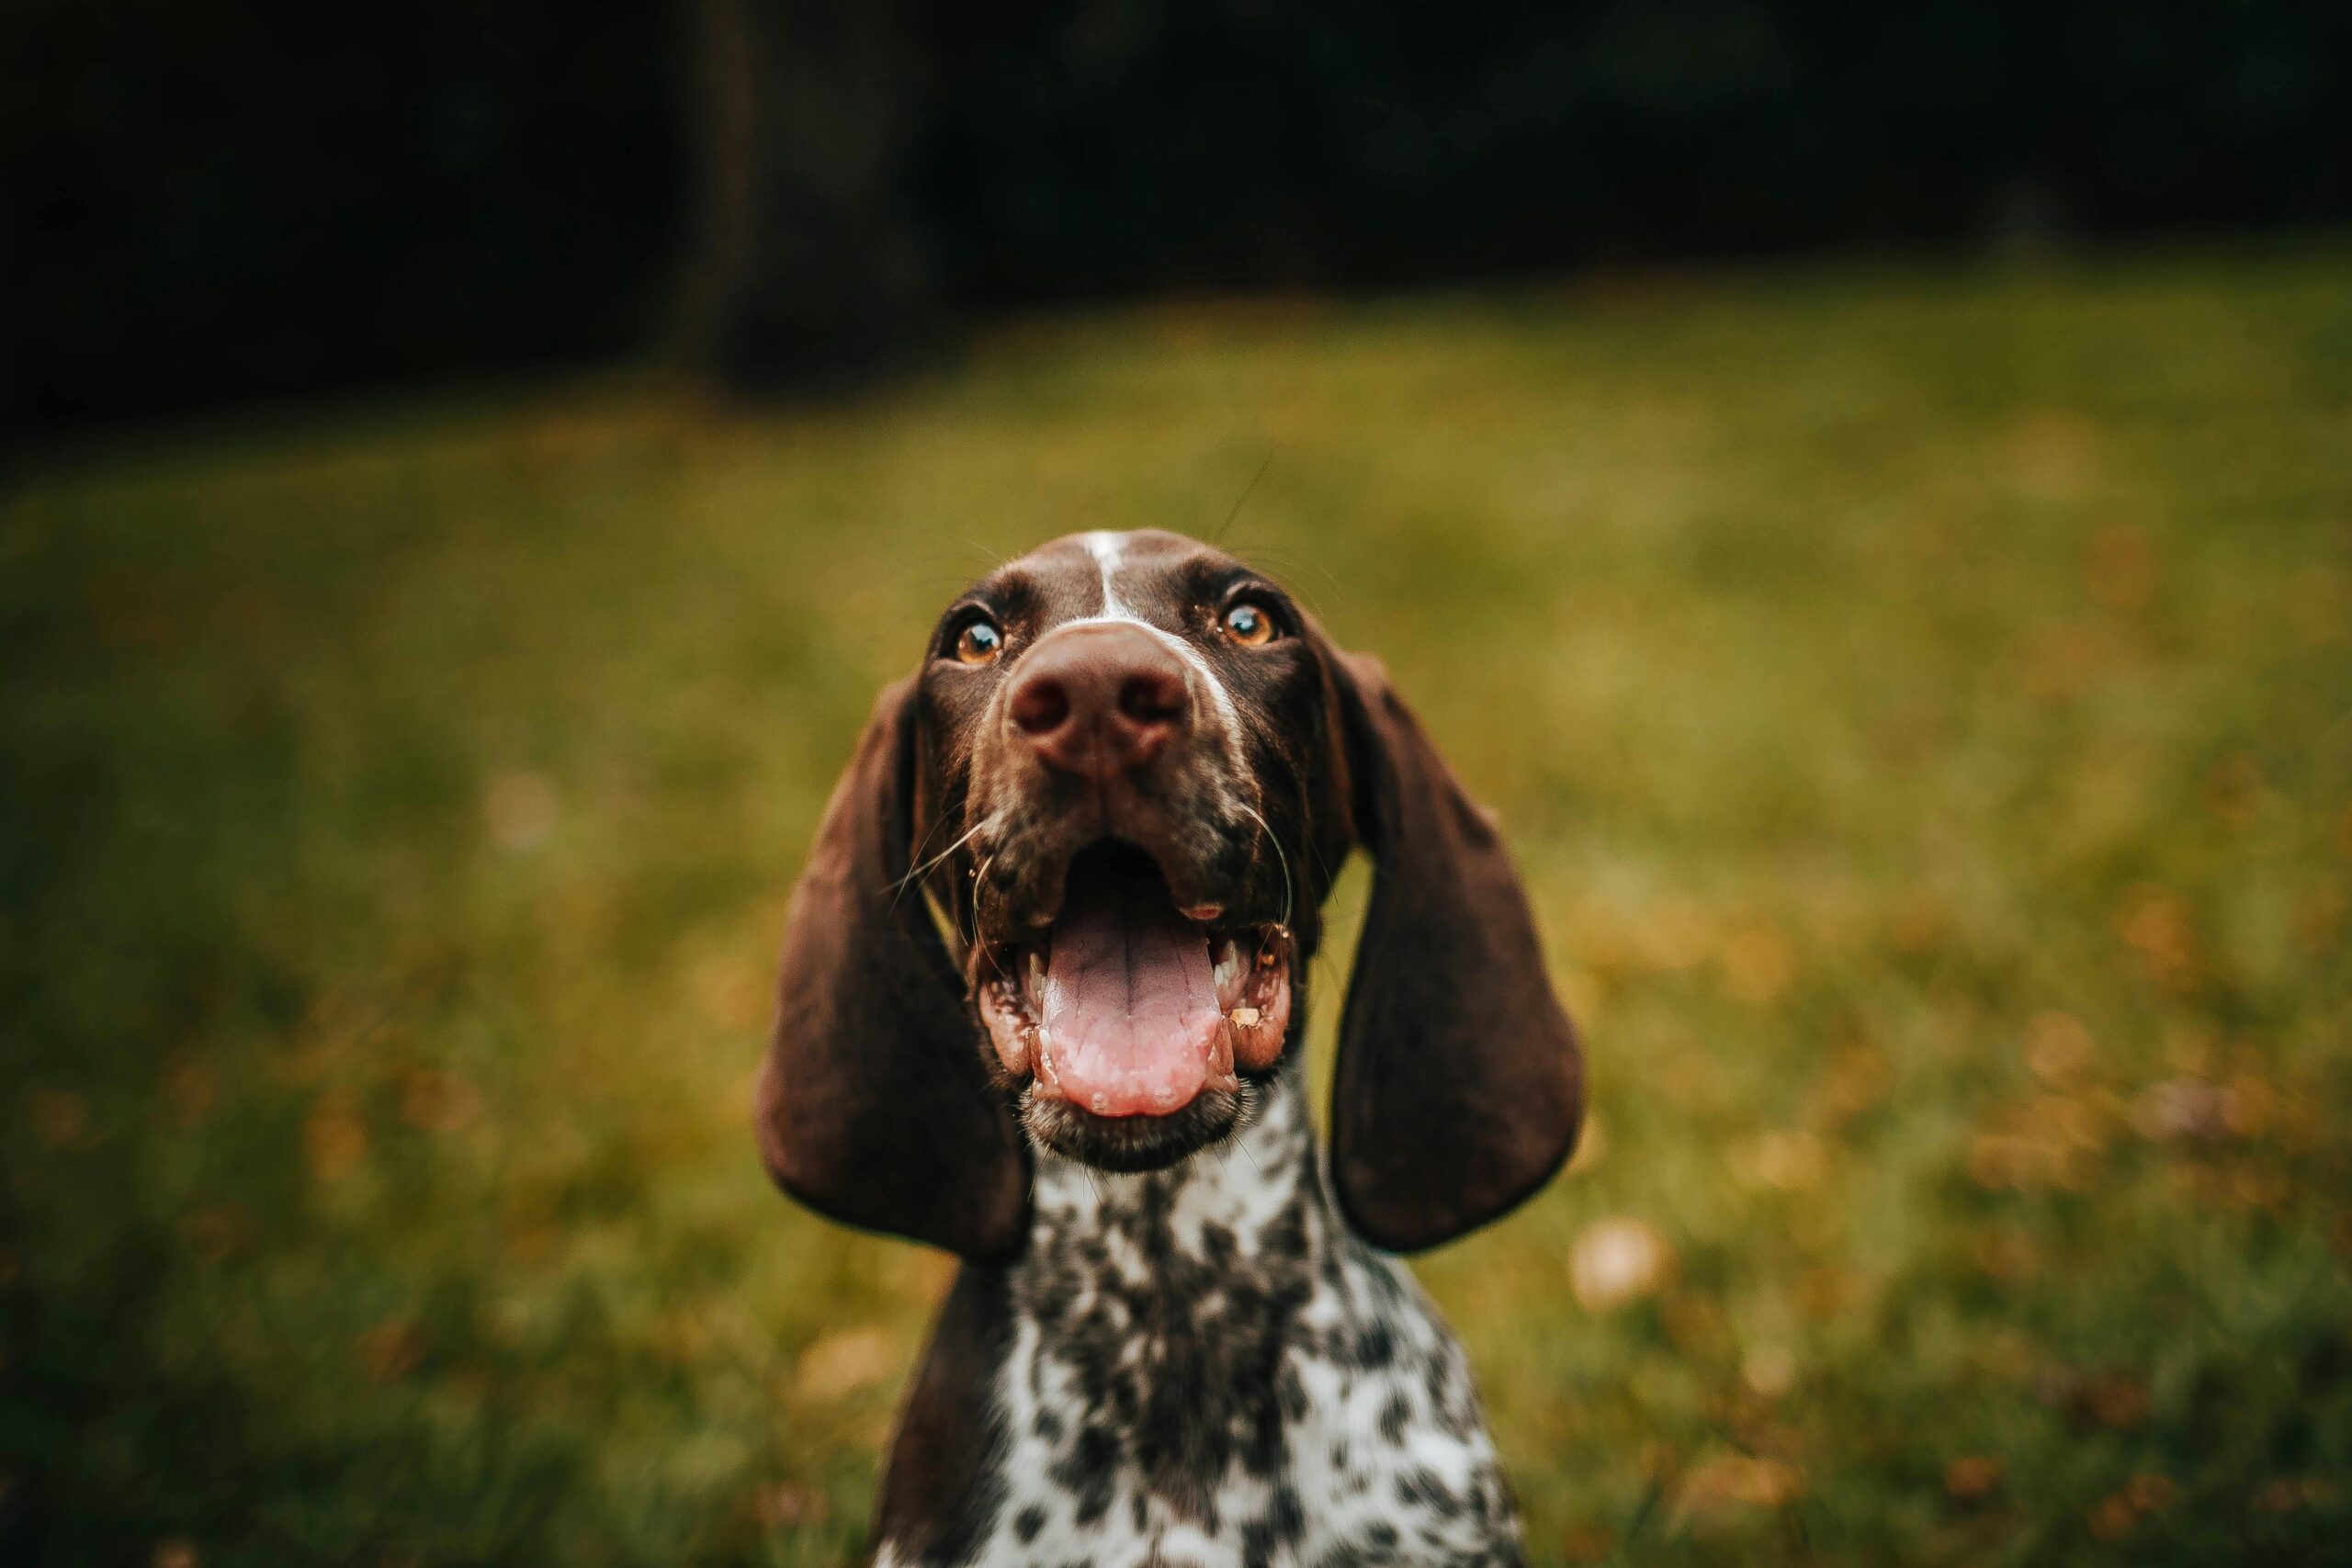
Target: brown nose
{"x":1099,"y":701}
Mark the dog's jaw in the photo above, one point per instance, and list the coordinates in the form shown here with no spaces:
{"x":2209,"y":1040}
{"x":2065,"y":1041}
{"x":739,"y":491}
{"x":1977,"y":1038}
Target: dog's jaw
{"x":1127,"y":1025}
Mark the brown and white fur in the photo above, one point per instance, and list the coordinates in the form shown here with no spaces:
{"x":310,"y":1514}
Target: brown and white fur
{"x":1179,"y":1335}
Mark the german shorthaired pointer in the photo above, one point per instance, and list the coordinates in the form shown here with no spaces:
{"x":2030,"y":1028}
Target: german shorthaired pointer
{"x":1041,"y":986}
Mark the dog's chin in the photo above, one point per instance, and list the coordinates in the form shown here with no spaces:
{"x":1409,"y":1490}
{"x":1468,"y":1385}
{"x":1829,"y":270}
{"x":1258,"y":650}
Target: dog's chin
{"x":1128,"y":1144}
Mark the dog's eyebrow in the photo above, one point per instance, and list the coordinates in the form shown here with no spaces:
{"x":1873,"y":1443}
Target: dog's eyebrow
{"x":1004,"y":594}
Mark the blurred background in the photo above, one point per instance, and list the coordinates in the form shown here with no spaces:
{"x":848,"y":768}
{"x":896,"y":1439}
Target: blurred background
{"x":1865,"y":493}
{"x":258,"y":199}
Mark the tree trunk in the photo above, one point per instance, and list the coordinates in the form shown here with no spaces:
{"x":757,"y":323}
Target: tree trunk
{"x":804,"y":271}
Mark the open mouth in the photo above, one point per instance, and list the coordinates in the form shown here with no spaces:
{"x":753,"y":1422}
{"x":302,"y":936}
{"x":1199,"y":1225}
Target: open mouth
{"x":1134,"y":1019}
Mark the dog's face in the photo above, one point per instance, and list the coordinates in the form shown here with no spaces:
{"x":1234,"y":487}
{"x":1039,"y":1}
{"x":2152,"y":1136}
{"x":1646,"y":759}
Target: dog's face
{"x":1122,"y":779}
{"x":1123,"y":744}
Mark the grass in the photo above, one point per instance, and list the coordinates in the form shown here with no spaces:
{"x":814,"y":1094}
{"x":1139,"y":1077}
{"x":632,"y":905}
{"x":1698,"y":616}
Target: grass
{"x":1921,"y":703}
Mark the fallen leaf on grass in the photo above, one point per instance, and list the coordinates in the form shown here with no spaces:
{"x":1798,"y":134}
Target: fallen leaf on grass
{"x":1758,"y":964}
{"x":439,"y":1103}
{"x":2156,"y":923}
{"x":1786,"y":1160}
{"x":2057,"y":1047}
{"x":1768,"y":1371}
{"x":59,"y":1116}
{"x":1728,"y":1480}
{"x":842,"y":1363}
{"x":519,"y":809}
{"x":1971,"y":1478}
{"x":390,"y":1350}
{"x":1586,"y":1543}
{"x":1616,"y":1261}
{"x":785,"y":1504}
{"x":334,"y":1139}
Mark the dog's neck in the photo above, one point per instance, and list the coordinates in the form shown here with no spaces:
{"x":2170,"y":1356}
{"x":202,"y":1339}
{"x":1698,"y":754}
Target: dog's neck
{"x":1152,"y":1311}
{"x":1201,"y":1364}
{"x":1260,"y":1187}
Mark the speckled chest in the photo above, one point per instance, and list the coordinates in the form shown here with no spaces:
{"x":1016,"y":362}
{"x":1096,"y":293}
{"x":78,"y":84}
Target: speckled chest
{"x":1202,"y":1366}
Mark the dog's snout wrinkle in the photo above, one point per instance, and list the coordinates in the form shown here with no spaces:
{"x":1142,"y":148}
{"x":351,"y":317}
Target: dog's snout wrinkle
{"x":1099,"y":701}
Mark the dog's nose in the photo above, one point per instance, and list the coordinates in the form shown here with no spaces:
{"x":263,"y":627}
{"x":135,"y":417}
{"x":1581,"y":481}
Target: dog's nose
{"x":1100,"y":701}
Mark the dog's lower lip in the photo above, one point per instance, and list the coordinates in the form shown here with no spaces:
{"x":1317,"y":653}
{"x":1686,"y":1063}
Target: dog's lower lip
{"x":1135,"y":1143}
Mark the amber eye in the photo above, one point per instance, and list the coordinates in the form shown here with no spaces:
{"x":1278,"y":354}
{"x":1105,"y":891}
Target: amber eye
{"x":1248,"y":625}
{"x":978,"y":643}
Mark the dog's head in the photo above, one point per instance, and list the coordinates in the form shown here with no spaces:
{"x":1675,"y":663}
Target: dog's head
{"x":1068,"y":890}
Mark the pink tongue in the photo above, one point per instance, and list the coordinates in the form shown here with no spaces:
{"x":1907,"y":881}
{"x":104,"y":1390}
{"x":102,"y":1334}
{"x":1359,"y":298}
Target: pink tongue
{"x":1130,"y":1015}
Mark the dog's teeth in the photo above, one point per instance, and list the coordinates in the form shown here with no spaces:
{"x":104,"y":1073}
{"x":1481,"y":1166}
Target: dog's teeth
{"x":1227,"y":973}
{"x":1036,"y":968}
{"x":1246,"y":1017}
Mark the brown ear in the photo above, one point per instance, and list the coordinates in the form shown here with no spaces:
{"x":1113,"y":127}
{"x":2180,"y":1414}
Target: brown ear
{"x":1459,"y":1085}
{"x":873,"y":1106}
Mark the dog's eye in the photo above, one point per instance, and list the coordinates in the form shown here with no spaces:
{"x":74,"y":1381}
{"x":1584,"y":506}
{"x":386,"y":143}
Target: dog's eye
{"x":1250,"y":624}
{"x":978,"y":643}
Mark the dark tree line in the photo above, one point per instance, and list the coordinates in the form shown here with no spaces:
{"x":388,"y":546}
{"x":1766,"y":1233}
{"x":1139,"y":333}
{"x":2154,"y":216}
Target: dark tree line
{"x":246,"y":199}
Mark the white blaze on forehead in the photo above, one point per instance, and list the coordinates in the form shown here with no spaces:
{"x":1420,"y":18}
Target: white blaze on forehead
{"x":1109,"y":551}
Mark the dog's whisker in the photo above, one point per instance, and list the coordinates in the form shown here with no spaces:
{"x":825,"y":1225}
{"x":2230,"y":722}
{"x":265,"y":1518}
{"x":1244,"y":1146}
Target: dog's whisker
{"x":1242,"y":500}
{"x":979,"y":891}
{"x":916,"y":855}
{"x":1291,"y":565}
{"x":1314,"y":854}
{"x":1281,"y":857}
{"x":996,"y":561}
{"x":925,"y":869}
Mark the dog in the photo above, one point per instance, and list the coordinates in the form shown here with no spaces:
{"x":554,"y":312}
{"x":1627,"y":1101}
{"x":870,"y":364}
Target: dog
{"x":1041,"y":990}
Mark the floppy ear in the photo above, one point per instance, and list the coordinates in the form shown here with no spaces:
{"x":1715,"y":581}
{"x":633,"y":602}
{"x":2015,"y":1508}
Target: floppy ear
{"x":873,"y":1106}
{"x":1459,"y":1085}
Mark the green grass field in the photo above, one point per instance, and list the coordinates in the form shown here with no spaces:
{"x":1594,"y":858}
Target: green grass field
{"x":1921,"y":703}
